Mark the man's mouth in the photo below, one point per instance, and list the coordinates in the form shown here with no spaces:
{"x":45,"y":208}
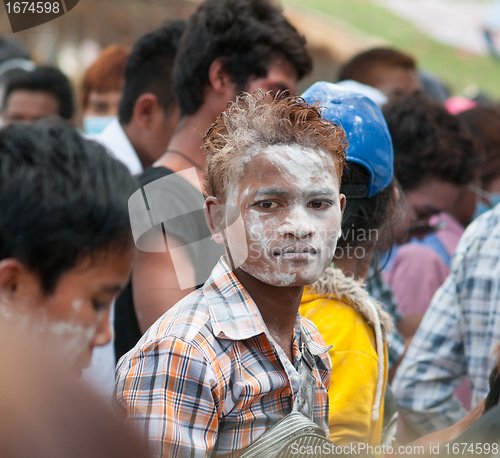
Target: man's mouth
{"x":295,"y":252}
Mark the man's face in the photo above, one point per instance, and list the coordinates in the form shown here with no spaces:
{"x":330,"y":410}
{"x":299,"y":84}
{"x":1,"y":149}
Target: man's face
{"x":396,"y":81}
{"x":29,"y":106}
{"x":281,"y":76}
{"x":433,"y":197}
{"x":103,"y":103}
{"x":75,"y":316}
{"x":291,"y":209}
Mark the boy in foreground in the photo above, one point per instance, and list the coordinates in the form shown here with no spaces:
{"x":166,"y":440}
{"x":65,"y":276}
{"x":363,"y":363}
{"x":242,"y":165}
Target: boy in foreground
{"x":66,"y":246}
{"x":220,"y":368}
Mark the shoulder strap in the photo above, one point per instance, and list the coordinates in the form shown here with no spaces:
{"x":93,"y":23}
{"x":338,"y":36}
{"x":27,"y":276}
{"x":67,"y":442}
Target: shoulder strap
{"x":433,"y":242}
{"x":304,"y":402}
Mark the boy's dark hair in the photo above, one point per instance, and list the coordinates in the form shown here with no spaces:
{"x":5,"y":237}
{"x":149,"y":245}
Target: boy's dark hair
{"x":360,"y":68}
{"x":149,"y":69}
{"x":428,"y":142}
{"x":247,"y":34}
{"x":44,"y":79}
{"x":364,"y":217}
{"x":62,"y":199}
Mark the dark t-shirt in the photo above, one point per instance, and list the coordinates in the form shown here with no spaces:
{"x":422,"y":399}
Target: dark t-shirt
{"x":176,"y":209}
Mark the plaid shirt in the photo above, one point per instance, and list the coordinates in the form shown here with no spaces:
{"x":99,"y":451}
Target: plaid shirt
{"x":458,"y":335}
{"x":207,"y":377}
{"x":379,"y":290}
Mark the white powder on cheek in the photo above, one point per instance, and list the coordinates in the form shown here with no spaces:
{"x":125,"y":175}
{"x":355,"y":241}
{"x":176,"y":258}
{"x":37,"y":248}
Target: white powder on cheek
{"x":268,"y":268}
{"x":68,"y":338}
{"x":306,"y":169}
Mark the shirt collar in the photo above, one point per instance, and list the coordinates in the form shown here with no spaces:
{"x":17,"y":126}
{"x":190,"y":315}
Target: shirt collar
{"x":233,"y":313}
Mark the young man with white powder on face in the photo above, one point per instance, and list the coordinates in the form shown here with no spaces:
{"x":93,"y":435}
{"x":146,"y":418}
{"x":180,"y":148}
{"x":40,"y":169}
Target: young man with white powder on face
{"x":221,"y":367}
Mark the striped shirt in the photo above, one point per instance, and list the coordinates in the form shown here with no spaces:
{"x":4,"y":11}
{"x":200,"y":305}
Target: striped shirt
{"x":208,"y":377}
{"x":458,"y":334}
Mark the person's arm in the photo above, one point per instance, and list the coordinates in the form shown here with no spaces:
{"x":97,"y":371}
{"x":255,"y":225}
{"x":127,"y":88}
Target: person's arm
{"x":167,"y":392}
{"x":434,"y":365}
{"x":448,"y":434}
{"x":409,"y":324}
{"x":166,"y":269}
{"x":155,"y":283}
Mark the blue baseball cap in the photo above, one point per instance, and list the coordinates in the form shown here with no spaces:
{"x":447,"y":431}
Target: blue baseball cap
{"x":370,"y":143}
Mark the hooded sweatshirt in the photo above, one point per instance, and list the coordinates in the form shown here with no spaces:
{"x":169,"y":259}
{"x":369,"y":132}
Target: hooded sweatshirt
{"x":357,"y":329}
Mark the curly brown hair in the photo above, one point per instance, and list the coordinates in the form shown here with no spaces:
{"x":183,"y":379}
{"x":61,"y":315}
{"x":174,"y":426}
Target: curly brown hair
{"x":258,"y":120}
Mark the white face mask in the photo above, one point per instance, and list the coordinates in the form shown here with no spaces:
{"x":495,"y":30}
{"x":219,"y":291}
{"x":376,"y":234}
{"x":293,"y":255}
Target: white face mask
{"x":289,"y":201}
{"x":492,"y":198}
{"x":94,"y":125}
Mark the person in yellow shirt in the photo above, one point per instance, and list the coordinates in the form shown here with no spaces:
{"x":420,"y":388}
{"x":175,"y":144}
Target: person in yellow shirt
{"x":353,"y":324}
{"x":350,"y":321}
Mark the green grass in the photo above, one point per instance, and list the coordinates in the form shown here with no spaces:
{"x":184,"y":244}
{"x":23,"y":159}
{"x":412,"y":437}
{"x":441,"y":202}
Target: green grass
{"x":457,"y":69}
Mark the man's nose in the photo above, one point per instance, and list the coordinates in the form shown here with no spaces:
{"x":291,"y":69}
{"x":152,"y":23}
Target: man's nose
{"x":103,"y":334}
{"x":297,"y":224}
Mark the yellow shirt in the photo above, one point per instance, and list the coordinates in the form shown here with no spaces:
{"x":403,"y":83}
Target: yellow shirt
{"x":354,"y":369}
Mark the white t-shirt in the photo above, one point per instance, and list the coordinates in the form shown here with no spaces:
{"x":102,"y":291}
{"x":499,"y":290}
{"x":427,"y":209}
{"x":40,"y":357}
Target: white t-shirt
{"x":114,"y":139}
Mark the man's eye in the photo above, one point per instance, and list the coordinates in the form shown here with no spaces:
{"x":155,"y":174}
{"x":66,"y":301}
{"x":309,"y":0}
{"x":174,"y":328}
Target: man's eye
{"x":99,"y":306}
{"x":268,"y":204}
{"x":319,"y":204}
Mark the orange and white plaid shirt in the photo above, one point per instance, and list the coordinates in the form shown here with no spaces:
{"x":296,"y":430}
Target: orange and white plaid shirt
{"x":208,"y":379}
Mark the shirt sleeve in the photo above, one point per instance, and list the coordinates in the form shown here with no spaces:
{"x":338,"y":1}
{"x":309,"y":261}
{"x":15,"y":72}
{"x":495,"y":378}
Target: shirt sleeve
{"x":435,"y":363}
{"x":416,"y":274}
{"x":381,"y":291}
{"x":168,"y":393}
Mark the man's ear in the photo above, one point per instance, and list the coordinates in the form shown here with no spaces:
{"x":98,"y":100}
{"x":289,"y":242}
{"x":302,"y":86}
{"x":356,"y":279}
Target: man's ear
{"x":219,"y":78}
{"x":145,"y":109}
{"x":215,"y":217}
{"x":343,"y":202}
{"x":15,"y":281}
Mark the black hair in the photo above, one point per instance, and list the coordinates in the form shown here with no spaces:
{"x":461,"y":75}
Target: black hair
{"x":62,"y":199}
{"x":429,"y":142}
{"x":44,"y":79}
{"x":360,"y":68}
{"x":366,"y":220}
{"x":247,"y":34}
{"x":493,"y":397}
{"x":149,"y":69}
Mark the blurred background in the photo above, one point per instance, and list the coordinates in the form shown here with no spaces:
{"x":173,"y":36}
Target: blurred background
{"x":456,"y":40}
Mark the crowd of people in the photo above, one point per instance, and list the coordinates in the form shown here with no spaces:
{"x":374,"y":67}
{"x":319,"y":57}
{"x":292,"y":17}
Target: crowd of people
{"x":210,"y":264}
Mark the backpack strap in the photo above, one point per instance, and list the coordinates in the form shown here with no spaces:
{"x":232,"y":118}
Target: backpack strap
{"x":304,"y":402}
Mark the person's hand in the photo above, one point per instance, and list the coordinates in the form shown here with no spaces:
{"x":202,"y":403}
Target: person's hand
{"x":448,"y":434}
{"x":470,"y":418}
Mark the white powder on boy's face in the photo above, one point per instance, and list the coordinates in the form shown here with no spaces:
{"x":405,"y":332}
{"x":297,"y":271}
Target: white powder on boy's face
{"x":70,"y":340}
{"x":293,"y":241}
